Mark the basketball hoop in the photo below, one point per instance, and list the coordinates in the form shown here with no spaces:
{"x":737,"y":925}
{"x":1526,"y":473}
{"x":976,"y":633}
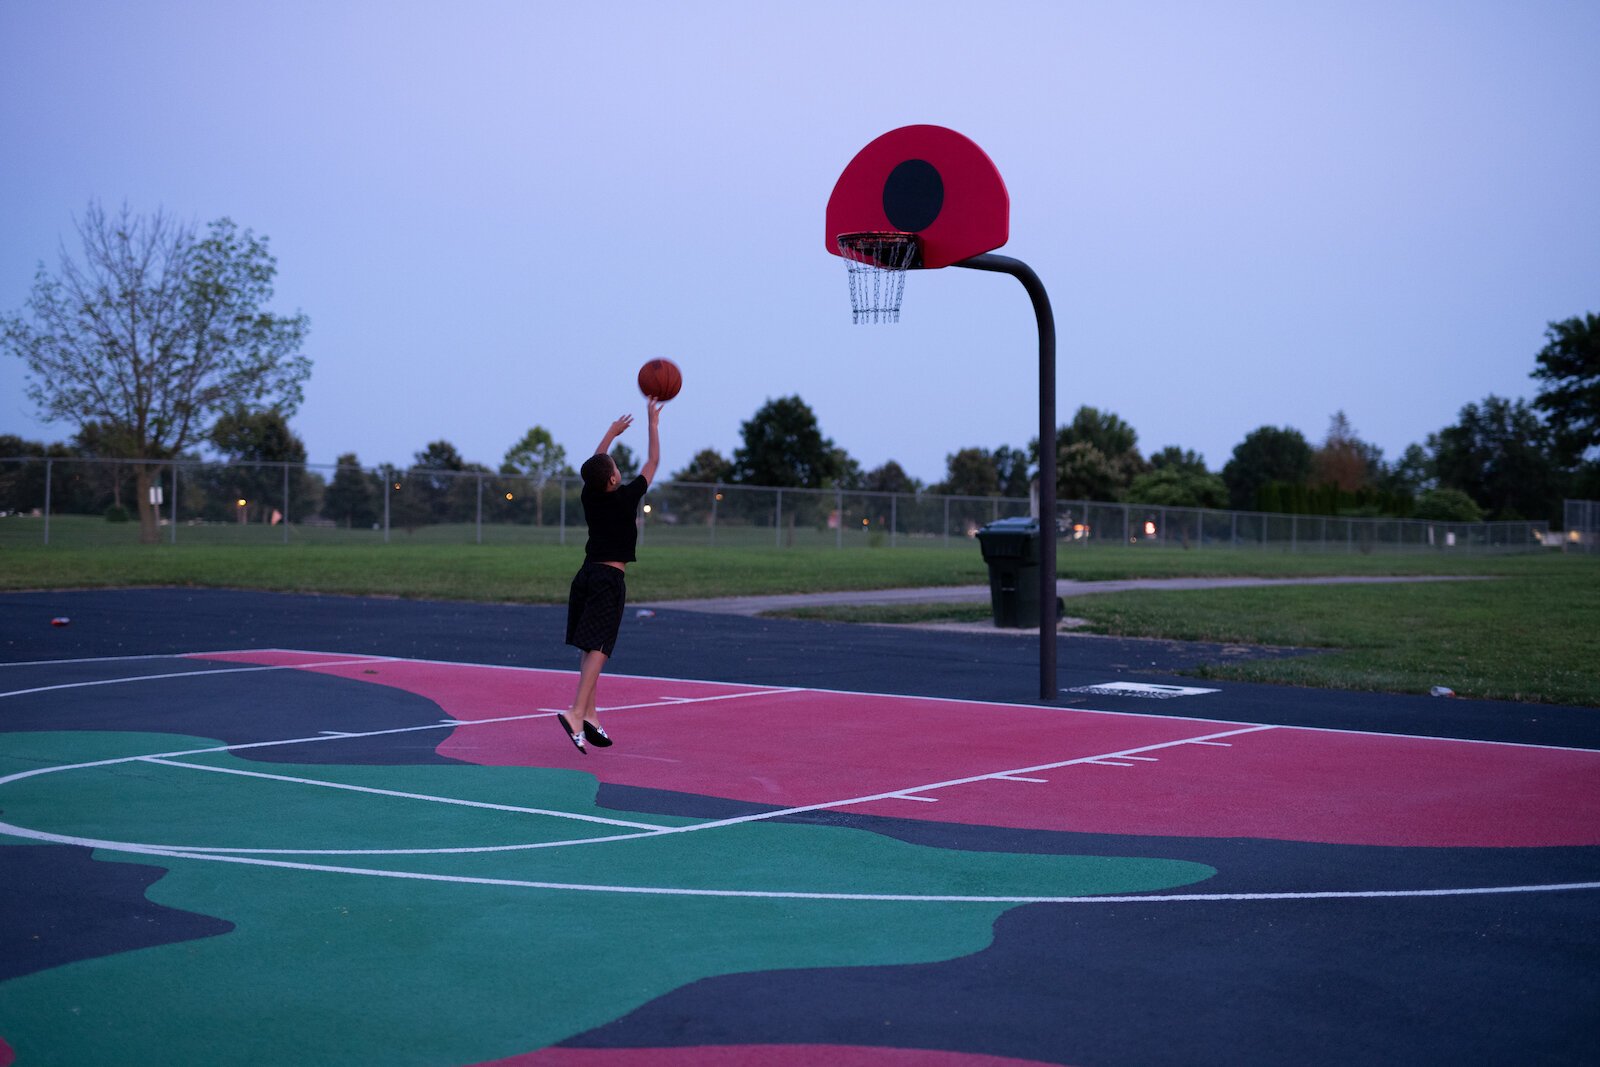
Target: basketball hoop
{"x":878,"y":262}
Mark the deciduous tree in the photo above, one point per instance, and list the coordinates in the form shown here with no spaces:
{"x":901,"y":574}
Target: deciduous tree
{"x":259,"y":450}
{"x":627,"y":463}
{"x":1097,"y":456}
{"x":538,"y":458}
{"x":708,"y":466}
{"x":1344,"y":459}
{"x":970,"y":472}
{"x":890,"y":478}
{"x":1447,"y":505}
{"x":154,"y":332}
{"x":1569,"y":373}
{"x":352,"y":498}
{"x":1500,"y":454}
{"x":1267,"y":455}
{"x":1177,"y":486}
{"x":784,"y":446}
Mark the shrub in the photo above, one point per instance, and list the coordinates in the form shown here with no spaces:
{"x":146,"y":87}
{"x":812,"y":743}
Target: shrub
{"x":1447,"y":505}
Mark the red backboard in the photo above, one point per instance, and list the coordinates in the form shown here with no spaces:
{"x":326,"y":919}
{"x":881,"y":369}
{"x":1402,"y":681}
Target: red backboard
{"x":926,"y":180}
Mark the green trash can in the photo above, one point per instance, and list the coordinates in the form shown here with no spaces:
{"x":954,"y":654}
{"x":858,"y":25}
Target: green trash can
{"x":1011,"y":549}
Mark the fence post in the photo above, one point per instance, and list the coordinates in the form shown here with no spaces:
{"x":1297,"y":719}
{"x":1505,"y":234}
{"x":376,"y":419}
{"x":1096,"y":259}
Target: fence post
{"x":562,"y":538}
{"x":838,"y":511}
{"x":894,"y":517}
{"x":388,"y":488}
{"x":48,"y":466}
{"x":285,"y":503}
{"x":480,"y":507}
{"x":172,"y":537}
{"x":777,"y":521}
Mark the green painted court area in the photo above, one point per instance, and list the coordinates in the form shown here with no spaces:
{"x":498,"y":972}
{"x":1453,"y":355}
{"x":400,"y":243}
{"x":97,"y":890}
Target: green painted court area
{"x":375,"y":860}
{"x":489,"y":937}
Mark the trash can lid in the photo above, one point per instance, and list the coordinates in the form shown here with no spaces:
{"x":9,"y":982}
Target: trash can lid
{"x":1015,"y":524}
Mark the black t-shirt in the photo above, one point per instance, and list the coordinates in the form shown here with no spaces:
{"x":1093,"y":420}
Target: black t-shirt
{"x":613,"y":536}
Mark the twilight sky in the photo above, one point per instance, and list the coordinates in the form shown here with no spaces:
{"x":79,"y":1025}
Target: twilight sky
{"x":1245,"y":213}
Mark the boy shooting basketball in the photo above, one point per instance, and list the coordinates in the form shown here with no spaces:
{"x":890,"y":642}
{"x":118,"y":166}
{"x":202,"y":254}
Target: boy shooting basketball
{"x":594,"y":607}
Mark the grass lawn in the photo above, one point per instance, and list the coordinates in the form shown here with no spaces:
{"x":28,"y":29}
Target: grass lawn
{"x":1530,"y":638}
{"x":445,"y":562}
{"x":503,"y":573}
{"x":1532,"y":635}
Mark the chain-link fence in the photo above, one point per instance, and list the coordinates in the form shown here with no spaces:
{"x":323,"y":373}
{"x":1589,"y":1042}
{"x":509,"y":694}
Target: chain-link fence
{"x":1083,"y":522}
{"x":1581,"y":520}
{"x":69,"y":500}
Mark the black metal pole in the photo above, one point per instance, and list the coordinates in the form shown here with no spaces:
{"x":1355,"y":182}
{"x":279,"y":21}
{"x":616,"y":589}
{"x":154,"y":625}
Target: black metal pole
{"x":1047,"y":457}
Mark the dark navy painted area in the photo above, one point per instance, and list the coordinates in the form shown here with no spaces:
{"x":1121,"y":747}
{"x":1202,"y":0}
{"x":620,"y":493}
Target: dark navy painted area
{"x":1244,"y":864}
{"x":682,"y":644}
{"x":236,"y":707}
{"x":1491,"y":979}
{"x":58,"y":905}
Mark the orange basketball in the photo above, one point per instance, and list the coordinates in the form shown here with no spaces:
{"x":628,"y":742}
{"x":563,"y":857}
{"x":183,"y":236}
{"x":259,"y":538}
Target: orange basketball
{"x":660,"y":379}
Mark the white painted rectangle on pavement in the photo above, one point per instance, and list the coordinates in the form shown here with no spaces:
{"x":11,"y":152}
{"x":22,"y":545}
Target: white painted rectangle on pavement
{"x":1147,"y":690}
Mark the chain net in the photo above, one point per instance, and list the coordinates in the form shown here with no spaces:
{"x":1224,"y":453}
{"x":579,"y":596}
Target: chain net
{"x":878,"y":263}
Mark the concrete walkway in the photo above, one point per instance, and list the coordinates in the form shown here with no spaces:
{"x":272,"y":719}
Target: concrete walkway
{"x":968,"y":594}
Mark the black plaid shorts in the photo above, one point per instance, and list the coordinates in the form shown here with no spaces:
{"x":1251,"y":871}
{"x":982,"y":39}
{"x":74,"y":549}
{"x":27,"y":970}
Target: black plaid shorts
{"x":594,"y":608}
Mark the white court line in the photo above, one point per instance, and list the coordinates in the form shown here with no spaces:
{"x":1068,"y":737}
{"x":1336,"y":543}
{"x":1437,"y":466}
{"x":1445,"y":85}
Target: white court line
{"x":100,"y":659}
{"x":1154,"y":898}
{"x":654,"y":831}
{"x":901,"y":793}
{"x":670,"y":702}
{"x":181,"y":852}
{"x":189,"y":655}
{"x":1208,"y":719}
{"x":402,"y":795}
{"x":965,"y":701}
{"x":924,"y":898}
{"x":442,"y":724}
{"x":181,"y":674}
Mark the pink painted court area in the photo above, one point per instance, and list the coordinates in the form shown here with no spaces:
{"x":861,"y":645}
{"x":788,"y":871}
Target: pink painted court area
{"x":1061,"y":769}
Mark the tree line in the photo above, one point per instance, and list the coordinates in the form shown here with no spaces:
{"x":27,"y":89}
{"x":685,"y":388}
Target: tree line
{"x":156,"y":342}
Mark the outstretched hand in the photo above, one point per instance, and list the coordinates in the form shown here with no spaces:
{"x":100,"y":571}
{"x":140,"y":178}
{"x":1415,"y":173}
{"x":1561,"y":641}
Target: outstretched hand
{"x":654,"y":407}
{"x":621,"y":424}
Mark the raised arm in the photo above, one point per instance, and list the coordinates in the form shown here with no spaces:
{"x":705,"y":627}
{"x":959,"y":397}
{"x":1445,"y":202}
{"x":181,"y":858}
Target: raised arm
{"x":613,"y":433}
{"x":653,"y":459}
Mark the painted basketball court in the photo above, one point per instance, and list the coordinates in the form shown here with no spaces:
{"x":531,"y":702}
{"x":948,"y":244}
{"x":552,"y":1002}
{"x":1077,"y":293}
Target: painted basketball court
{"x":271,"y":854}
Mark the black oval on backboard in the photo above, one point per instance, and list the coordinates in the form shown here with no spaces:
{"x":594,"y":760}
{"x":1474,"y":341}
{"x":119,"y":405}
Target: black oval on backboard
{"x":913,"y":195}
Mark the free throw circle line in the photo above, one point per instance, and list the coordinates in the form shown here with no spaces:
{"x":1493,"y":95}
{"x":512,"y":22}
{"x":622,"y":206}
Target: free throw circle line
{"x":923,"y":898}
{"x":651,"y":831}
